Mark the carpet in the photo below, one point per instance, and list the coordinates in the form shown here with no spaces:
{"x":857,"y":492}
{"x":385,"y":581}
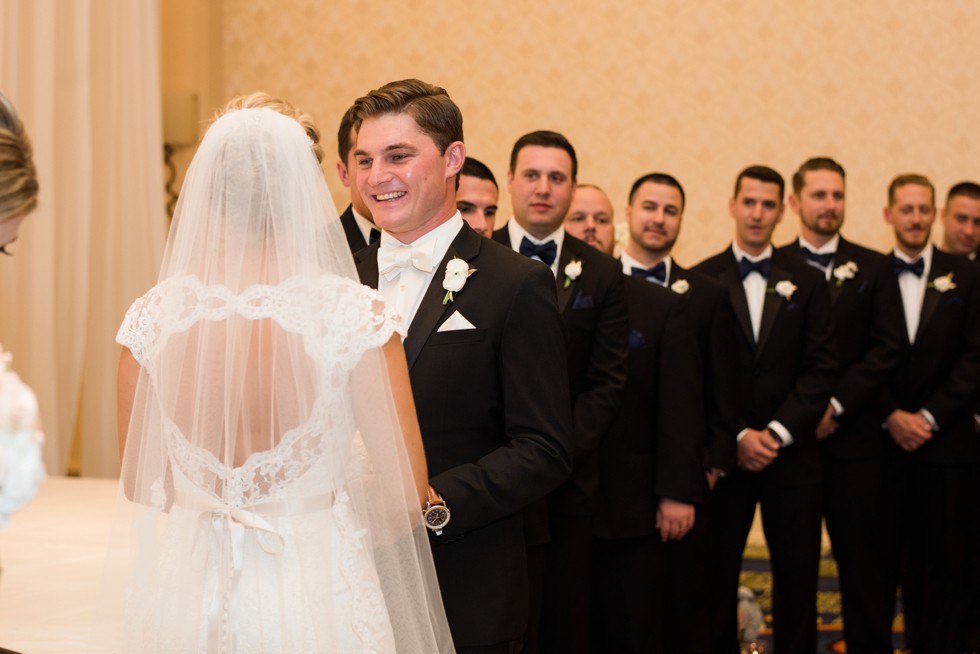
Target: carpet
{"x":757,"y":576}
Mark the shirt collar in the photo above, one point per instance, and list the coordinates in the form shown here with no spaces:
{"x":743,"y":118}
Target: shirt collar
{"x":742,"y":254}
{"x":830,"y":247}
{"x":516,"y":233}
{"x":439,"y":239}
{"x":629,"y":263}
{"x":925,"y":255}
{"x":363,"y":224}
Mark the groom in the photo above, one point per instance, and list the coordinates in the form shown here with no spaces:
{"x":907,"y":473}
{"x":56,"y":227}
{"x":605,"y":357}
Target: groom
{"x":486,"y":355}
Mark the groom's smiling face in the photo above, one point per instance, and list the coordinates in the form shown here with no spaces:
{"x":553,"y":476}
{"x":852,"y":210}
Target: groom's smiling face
{"x":406,"y":182}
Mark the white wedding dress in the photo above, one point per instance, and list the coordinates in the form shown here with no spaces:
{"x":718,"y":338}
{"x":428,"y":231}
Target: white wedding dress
{"x":273,"y":554}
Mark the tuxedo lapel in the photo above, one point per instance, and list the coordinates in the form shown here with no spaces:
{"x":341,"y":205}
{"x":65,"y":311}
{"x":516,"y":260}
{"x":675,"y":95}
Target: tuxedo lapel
{"x":736,"y":293}
{"x":566,"y":290}
{"x":465,"y":246}
{"x":773,"y":302}
{"x":931,"y":298}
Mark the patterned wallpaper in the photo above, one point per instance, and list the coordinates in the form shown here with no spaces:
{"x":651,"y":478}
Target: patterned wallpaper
{"x":696,"y":88}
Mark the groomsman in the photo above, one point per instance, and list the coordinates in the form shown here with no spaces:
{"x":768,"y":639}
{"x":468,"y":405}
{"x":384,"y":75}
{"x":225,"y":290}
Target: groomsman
{"x":931,"y":449}
{"x":477,"y":195}
{"x":591,"y":298}
{"x":654,"y":215}
{"x":786,"y":360}
{"x":961,"y":236}
{"x":486,"y":356}
{"x":590,"y":218}
{"x":961,"y":220}
{"x":866,"y":311}
{"x":651,"y":474}
{"x":356,"y":220}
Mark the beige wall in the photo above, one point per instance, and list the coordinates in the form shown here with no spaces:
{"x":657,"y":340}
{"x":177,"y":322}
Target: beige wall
{"x":696,"y":88}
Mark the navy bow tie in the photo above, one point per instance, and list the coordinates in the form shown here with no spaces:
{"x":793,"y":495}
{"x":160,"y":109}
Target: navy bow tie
{"x":545,"y":251}
{"x":916,"y":267}
{"x":745,"y":267}
{"x":373,"y":236}
{"x":658,"y":272}
{"x":822,"y":260}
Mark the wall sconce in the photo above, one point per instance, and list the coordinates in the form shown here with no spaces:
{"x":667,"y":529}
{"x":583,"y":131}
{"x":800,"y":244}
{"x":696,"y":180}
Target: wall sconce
{"x":179,"y":129}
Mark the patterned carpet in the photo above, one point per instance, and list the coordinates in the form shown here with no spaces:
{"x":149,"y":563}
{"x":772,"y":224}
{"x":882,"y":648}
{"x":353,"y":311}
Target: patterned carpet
{"x":830,"y":637}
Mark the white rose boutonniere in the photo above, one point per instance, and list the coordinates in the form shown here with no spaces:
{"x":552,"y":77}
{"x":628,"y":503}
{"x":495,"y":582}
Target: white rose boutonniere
{"x":844,"y":272}
{"x":943,"y":284}
{"x":784,"y":289}
{"x":681,"y":286}
{"x":457,"y":271}
{"x":572,"y":271}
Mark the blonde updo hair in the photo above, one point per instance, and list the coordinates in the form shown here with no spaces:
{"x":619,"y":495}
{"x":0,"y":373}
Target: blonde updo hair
{"x":18,"y":177}
{"x":262,"y":100}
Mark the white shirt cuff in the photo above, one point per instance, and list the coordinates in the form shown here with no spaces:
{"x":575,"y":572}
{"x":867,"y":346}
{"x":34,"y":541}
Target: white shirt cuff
{"x":838,"y":407}
{"x":777,"y":428}
{"x":928,"y":416}
{"x":741,"y":435}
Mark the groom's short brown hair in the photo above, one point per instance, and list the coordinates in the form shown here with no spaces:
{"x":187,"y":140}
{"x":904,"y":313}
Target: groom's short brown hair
{"x":429,"y":105}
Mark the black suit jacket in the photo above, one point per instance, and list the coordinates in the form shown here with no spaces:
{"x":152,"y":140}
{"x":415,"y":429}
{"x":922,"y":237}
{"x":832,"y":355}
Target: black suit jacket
{"x":789,"y":374}
{"x":355,"y":239}
{"x":593,"y":307}
{"x":493,"y":407}
{"x":710,"y":316}
{"x":869,"y":326}
{"x":941,"y":371}
{"x":655,"y":446}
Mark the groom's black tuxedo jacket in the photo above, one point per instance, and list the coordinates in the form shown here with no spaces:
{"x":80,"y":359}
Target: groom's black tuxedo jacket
{"x":789,"y":374}
{"x":709,"y":314}
{"x":869,"y":325}
{"x":493,"y":407}
{"x":593,"y":307}
{"x":940,"y":372}
{"x":654,"y":448}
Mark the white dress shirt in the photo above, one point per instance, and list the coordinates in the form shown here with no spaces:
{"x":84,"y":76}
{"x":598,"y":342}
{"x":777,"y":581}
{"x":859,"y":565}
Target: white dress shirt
{"x":629,"y":263}
{"x":405,"y":287}
{"x":516,"y":233}
{"x":914,"y":289}
{"x":830,"y":247}
{"x":755,"y":287}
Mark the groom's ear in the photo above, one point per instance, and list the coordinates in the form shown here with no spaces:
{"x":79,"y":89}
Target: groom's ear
{"x":455,"y":156}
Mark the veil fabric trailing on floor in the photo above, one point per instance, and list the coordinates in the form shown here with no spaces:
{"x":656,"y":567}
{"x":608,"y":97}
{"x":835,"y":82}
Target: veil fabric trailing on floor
{"x":265,"y":476}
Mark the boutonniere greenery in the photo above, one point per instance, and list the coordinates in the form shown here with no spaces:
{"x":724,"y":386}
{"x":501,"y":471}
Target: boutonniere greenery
{"x":784,"y":289}
{"x":572,"y":271}
{"x":844,"y":272}
{"x":457,"y":271}
{"x":943,"y":284}
{"x":681,"y":286}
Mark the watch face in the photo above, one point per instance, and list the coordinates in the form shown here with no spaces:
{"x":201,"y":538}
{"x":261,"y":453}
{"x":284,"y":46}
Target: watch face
{"x":436,"y":517}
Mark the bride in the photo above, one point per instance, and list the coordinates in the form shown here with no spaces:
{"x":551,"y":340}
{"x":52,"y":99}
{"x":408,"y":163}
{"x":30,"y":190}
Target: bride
{"x":270,"y":451}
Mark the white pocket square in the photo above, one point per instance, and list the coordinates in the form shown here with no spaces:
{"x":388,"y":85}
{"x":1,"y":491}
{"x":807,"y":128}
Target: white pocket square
{"x":455,"y":323}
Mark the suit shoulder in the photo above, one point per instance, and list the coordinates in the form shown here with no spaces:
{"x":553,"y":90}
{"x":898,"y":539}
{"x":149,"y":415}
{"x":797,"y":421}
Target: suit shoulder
{"x":713,"y":264}
{"x":593,"y":258}
{"x":849,"y":250}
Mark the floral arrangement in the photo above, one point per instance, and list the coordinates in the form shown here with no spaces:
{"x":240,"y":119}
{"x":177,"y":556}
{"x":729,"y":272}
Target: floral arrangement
{"x":943,"y":284}
{"x":457,"y":271}
{"x":572,"y":271}
{"x":681,"y":286}
{"x":844,"y":272}
{"x":784,"y":289}
{"x":21,"y":468}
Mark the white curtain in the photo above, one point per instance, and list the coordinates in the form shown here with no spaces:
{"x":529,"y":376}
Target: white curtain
{"x":85,"y":78}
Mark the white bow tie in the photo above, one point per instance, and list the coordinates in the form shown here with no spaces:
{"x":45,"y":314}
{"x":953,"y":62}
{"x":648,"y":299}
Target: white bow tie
{"x":392,"y":259}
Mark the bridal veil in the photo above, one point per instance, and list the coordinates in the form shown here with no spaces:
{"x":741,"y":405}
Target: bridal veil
{"x":265,"y":476}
